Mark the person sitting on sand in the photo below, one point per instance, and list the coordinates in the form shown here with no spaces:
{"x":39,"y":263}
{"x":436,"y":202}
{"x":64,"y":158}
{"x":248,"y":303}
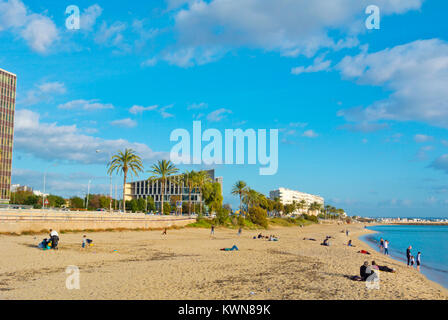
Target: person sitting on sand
{"x":326,"y":242}
{"x":164,"y":232}
{"x":54,"y":236}
{"x":350,"y":243}
{"x":365,"y":271}
{"x":86,"y":242}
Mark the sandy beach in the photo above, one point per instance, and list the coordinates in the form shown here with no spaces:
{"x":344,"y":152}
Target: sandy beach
{"x":187,"y":264}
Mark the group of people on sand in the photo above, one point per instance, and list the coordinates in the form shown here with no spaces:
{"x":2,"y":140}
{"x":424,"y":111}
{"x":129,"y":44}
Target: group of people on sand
{"x":411,"y":260}
{"x":366,"y":270}
{"x":51,"y":243}
{"x":269,"y":238}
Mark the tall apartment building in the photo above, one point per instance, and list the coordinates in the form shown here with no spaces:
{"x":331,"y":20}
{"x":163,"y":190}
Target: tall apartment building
{"x":288,"y":196}
{"x":7,"y":107}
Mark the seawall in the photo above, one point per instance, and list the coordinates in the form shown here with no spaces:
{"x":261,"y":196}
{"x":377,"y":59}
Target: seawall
{"x":18,"y":221}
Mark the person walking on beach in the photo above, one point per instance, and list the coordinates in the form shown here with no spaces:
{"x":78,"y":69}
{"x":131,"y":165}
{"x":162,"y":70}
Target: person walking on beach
{"x":381,"y":245}
{"x":386,"y":247}
{"x":240,"y":231}
{"x":346,"y":232}
{"x":212,"y":232}
{"x":408,"y":255}
{"x":419,"y":260}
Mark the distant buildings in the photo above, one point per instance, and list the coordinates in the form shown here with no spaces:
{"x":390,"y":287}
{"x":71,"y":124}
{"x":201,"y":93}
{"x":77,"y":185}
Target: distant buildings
{"x":18,"y":188}
{"x":174,"y":190}
{"x":288,"y":196}
{"x":7,"y":107}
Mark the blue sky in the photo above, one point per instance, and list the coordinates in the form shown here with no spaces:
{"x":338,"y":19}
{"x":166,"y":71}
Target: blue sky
{"x":362,"y":114}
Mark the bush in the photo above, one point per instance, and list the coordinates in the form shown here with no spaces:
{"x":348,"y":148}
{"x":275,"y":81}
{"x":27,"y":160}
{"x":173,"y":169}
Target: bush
{"x":258,"y":216}
{"x":311,"y":218}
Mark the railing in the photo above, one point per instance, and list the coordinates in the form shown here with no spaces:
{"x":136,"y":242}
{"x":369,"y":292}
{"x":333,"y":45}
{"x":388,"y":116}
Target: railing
{"x":73,"y":218}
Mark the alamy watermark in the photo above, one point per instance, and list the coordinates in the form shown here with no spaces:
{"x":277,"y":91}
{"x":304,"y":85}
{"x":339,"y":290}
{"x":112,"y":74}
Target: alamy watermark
{"x":373,"y":21}
{"x":189,"y":149}
{"x":73,"y":21}
{"x":373,"y":280}
{"x":73,"y":279}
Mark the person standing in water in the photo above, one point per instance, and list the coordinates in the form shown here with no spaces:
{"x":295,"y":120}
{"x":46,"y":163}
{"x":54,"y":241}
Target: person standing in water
{"x":381,"y":245}
{"x":386,"y":247}
{"x":419,"y":260}
{"x":408,"y":255}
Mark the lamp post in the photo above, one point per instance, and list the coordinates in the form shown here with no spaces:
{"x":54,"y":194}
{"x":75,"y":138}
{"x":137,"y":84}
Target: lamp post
{"x":87,"y":197}
{"x":45,"y":181}
{"x":110,"y":202}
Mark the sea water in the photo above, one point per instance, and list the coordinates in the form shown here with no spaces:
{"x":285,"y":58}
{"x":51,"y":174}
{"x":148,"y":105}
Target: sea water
{"x":431,"y":241}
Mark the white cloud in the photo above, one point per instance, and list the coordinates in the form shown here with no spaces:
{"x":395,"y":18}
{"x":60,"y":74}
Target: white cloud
{"x":89,"y":105}
{"x":310,"y":134}
{"x":421,"y":138}
{"x":197,"y":106}
{"x":111,"y":35}
{"x":12,"y":14}
{"x":206,"y":29}
{"x":50,"y":141}
{"x":149,"y":63}
{"x":139,"y":109}
{"x":43,"y":92}
{"x":441,"y":163}
{"x":417,"y":75}
{"x":161,"y":110}
{"x":37,"y":30}
{"x":89,"y":16}
{"x":127,"y":123}
{"x":319,"y":65}
{"x":365,"y":127}
{"x":218,"y":115}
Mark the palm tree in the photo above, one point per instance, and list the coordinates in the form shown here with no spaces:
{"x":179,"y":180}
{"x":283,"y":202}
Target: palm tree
{"x":125,"y":161}
{"x":238,"y":189}
{"x":161,"y":171}
{"x":202,"y":178}
{"x":191,"y":181}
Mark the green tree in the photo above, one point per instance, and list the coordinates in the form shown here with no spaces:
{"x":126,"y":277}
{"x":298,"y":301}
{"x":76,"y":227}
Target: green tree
{"x":258,"y":216}
{"x":161,"y":171}
{"x":166,"y":208}
{"x":213,"y":196}
{"x":239,"y":189}
{"x":76,"y":203}
{"x":127,"y":161}
{"x":202,"y":179}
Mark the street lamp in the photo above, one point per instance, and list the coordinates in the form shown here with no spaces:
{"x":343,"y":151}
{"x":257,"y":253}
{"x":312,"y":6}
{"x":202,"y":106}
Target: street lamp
{"x":88,"y":192}
{"x":45,"y":180}
{"x":110,"y":202}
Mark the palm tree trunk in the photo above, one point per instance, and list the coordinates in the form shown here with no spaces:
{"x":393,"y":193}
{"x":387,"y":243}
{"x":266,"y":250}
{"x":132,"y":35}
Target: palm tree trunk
{"x":189,"y":200}
{"x":162,"y":194}
{"x":124,"y":190}
{"x":241,"y":205}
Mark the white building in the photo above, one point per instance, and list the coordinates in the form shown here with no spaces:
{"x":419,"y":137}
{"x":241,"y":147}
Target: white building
{"x":288,"y":196}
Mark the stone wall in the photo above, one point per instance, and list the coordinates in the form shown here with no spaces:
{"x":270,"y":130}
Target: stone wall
{"x":18,"y":221}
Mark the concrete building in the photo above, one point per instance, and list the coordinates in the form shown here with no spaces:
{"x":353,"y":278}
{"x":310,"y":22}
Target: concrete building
{"x":174,"y":190}
{"x":288,"y":196}
{"x":7,"y":108}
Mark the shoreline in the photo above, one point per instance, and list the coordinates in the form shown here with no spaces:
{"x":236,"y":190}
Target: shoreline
{"x":434,"y":283}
